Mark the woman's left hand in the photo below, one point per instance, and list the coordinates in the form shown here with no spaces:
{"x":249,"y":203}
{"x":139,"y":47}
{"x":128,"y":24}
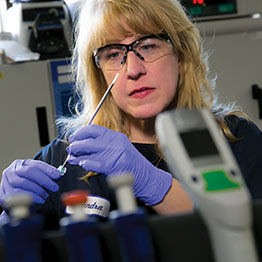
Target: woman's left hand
{"x":102,"y":150}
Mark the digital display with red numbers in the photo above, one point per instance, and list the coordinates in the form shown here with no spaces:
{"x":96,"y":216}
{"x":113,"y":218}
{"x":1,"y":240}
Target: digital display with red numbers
{"x":208,"y":2}
{"x":198,"y":2}
{"x":210,"y":7}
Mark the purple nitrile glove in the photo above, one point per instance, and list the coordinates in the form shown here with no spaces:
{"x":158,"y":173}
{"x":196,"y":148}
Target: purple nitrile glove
{"x":29,"y":176}
{"x":102,"y":150}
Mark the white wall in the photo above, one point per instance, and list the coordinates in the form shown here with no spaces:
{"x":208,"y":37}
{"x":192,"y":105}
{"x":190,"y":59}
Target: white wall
{"x":236,"y":58}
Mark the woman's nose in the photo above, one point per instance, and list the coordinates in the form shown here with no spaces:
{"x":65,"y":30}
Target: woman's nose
{"x":134,"y":66}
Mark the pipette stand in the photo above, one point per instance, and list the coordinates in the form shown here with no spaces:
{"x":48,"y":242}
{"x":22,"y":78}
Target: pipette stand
{"x":130,"y":223}
{"x":80,"y":230}
{"x":23,"y":232}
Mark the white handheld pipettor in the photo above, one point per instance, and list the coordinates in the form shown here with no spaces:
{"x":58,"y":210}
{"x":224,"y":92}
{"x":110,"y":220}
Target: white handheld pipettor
{"x":62,"y":168}
{"x":199,"y":156}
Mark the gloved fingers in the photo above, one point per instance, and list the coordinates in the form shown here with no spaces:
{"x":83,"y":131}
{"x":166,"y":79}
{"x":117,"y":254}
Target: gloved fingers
{"x":39,"y":178}
{"x":90,"y":131}
{"x":29,"y":170}
{"x":49,"y":170}
{"x":85,"y":147}
{"x":26,"y":185}
{"x":88,"y":164}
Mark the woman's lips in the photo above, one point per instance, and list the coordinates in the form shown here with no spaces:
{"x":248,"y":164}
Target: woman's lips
{"x":141,"y":92}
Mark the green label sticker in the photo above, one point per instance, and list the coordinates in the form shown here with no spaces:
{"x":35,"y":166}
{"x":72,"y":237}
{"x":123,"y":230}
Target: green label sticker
{"x":218,"y":180}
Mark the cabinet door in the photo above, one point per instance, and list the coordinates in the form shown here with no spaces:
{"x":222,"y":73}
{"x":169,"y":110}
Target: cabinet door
{"x":26,"y":110}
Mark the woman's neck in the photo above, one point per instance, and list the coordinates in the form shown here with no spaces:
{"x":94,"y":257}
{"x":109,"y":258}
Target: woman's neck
{"x":142,"y":131}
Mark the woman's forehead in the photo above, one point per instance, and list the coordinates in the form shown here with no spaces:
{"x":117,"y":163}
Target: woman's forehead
{"x":119,"y":37}
{"x":118,"y":30}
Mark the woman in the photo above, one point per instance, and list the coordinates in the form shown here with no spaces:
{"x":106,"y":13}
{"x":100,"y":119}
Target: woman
{"x":157,"y":52}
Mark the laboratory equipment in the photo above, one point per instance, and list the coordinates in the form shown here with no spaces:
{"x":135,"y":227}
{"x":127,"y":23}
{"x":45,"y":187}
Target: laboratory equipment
{"x":41,"y":26}
{"x":23,"y":231}
{"x":214,"y":17}
{"x":50,"y":86}
{"x":80,"y":230}
{"x":199,"y":156}
{"x":130,"y":222}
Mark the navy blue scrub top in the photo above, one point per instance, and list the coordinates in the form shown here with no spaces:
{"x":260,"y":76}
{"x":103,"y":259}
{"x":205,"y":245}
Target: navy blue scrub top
{"x":248,"y":153}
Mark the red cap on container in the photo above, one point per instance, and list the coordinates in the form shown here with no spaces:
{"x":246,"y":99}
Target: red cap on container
{"x":75,"y":197}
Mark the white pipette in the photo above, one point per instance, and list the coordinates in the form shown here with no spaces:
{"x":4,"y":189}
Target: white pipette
{"x":62,"y":168}
{"x":200,"y":157}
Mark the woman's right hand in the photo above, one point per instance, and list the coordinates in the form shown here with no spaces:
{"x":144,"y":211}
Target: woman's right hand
{"x":33,"y":177}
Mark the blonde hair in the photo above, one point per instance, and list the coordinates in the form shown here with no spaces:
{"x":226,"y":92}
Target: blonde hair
{"x":98,"y":22}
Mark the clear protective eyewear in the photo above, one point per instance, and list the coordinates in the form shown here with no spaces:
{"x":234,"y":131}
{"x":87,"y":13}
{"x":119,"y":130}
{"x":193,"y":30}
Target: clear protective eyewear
{"x":148,"y":48}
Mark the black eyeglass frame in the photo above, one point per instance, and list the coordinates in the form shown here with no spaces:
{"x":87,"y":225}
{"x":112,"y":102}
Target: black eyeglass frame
{"x":128,"y":47}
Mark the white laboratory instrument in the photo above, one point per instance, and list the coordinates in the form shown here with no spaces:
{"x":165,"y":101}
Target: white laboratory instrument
{"x":225,"y":16}
{"x":43,"y":27}
{"x":199,"y":156}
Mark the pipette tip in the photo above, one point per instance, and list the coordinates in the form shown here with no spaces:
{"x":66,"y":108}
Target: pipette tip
{"x":62,"y":169}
